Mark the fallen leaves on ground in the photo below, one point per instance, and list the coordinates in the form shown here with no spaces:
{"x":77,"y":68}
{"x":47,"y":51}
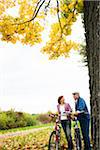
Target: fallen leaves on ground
{"x":37,"y":140}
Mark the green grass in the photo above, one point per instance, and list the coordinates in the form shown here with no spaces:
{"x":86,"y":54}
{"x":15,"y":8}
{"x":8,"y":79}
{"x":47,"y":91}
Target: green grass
{"x":25,"y":128}
{"x":28,"y":128}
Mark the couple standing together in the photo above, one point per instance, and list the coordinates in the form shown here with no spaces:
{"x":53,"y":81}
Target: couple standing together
{"x":84,"y":118}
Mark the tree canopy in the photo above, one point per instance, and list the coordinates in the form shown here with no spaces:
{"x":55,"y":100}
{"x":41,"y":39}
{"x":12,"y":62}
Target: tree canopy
{"x":25,"y":23}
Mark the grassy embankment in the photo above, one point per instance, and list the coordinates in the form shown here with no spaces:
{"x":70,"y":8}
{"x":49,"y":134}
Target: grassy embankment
{"x":25,"y":128}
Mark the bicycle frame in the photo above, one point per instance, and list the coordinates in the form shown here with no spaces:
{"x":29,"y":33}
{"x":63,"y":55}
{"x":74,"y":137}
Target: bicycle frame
{"x":57,"y":127}
{"x":77,"y":136}
{"x":57,"y":130}
{"x":76,"y":123}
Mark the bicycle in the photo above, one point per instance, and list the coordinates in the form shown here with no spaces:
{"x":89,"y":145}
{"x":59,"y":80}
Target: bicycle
{"x":55,"y":136}
{"x":77,"y":135}
{"x":54,"y":140}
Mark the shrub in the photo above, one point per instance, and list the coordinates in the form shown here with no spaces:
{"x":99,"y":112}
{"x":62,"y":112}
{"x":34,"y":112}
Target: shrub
{"x":44,"y":118}
{"x":10,"y":122}
{"x":3,"y":121}
{"x":29,"y":119}
{"x":11,"y":118}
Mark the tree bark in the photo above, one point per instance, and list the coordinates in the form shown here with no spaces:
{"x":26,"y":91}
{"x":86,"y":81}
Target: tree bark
{"x":92,"y":33}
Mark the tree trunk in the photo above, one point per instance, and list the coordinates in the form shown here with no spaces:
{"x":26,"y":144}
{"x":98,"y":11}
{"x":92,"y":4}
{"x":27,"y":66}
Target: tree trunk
{"x":92,"y":29}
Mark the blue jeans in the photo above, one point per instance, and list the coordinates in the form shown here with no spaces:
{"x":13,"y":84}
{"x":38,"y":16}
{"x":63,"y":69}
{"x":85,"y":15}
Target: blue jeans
{"x":84,"y":124}
{"x":66,"y":125}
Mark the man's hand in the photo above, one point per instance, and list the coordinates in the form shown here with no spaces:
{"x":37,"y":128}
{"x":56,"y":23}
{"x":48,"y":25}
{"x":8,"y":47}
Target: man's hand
{"x":75,"y":113}
{"x":72,"y":116}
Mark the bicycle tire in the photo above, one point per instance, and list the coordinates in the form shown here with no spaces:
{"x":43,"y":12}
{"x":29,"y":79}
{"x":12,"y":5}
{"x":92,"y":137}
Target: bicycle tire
{"x":78,"y":141}
{"x":52,"y":142}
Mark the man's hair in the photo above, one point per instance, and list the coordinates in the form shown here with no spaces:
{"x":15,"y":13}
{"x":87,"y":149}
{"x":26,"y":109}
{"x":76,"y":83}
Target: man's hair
{"x":59,"y":98}
{"x":75,"y":93}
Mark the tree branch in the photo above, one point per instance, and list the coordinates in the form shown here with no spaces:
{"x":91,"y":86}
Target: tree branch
{"x":36,"y":7}
{"x":35,"y":12}
{"x":59,"y":17}
{"x":47,"y":4}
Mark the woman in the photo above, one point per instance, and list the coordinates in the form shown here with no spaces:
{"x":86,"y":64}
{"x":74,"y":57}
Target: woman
{"x":64,"y":108}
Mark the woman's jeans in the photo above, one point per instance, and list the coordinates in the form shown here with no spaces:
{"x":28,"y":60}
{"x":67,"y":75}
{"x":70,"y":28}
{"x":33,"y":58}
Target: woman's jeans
{"x":66,"y":125}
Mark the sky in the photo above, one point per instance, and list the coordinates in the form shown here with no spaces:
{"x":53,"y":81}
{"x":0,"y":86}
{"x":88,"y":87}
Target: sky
{"x":31,"y":83}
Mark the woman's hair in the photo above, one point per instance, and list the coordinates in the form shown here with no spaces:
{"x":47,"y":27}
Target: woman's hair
{"x":59,"y":98}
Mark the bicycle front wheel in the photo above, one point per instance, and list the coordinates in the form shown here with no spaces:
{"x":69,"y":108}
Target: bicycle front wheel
{"x":53,"y":144}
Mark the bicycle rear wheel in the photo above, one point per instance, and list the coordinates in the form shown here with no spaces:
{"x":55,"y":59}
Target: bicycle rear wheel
{"x":78,"y":142}
{"x":53,"y":144}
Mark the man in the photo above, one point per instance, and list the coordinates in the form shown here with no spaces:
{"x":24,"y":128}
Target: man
{"x":83,"y":117}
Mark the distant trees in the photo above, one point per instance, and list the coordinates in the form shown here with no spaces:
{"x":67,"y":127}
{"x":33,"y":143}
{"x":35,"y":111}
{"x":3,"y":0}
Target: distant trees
{"x":44,"y":118}
{"x":11,"y":119}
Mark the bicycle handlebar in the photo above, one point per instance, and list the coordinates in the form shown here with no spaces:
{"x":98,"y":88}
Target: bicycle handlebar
{"x":68,"y":113}
{"x":53,"y":115}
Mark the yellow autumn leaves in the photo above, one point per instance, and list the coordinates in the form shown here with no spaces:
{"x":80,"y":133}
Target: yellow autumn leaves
{"x":38,"y":140}
{"x":13,"y":29}
{"x":58,"y":45}
{"x":26,"y":33}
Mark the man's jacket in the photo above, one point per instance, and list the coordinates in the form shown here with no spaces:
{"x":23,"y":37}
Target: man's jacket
{"x":81,"y":106}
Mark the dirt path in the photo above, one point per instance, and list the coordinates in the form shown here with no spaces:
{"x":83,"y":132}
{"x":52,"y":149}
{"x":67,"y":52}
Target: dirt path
{"x":18,"y":133}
